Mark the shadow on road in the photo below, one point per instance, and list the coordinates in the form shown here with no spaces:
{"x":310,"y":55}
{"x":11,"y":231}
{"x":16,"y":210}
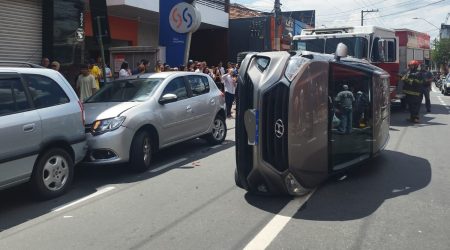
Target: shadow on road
{"x":365,"y":189}
{"x":426,"y":119}
{"x":18,"y":206}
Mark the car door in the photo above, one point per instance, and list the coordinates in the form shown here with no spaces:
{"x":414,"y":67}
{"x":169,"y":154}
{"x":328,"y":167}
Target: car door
{"x":175,"y":118}
{"x":20,"y":131}
{"x":60,"y":118}
{"x":202,"y":102}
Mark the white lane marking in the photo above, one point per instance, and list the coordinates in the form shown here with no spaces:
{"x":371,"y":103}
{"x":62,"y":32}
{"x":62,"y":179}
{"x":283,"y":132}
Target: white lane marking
{"x":67,"y":216}
{"x":217,"y":146}
{"x":263,"y":239}
{"x":99,"y":192}
{"x":168,"y":165}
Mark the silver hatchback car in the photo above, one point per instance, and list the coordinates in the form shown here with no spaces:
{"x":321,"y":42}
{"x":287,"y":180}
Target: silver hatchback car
{"x":41,"y":130}
{"x":130,"y":119}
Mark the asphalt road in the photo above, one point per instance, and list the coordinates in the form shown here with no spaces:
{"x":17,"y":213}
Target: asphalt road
{"x":401,"y":200}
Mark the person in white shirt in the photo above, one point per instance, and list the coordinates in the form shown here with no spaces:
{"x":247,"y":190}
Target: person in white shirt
{"x":230,"y":89}
{"x":124,"y":70}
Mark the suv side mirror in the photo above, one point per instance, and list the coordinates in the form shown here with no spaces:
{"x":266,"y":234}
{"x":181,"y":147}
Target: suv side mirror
{"x":168,"y":98}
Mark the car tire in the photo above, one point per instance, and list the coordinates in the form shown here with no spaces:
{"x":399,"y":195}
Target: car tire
{"x":141,"y":152}
{"x":52,"y":174}
{"x":237,"y":180}
{"x":218,"y":132}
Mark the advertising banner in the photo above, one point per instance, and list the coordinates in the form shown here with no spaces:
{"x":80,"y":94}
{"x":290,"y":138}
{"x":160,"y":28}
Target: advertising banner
{"x":175,"y":20}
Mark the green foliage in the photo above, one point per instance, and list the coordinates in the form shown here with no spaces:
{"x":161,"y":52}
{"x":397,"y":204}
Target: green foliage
{"x":441,"y":52}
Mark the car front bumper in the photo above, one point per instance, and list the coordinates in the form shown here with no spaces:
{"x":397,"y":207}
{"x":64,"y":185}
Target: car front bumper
{"x":109,"y":148}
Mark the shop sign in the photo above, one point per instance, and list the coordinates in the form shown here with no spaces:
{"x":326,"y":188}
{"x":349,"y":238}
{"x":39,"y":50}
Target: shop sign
{"x":79,"y":35}
{"x":184,"y":18}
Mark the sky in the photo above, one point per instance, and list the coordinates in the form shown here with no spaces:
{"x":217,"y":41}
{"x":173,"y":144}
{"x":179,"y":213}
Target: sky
{"x":391,"y":13}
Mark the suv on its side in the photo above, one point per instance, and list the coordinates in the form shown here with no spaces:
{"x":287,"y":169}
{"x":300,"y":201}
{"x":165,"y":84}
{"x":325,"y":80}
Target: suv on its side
{"x":41,"y":129}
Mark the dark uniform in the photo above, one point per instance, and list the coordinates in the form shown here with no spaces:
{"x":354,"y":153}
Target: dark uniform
{"x":413,"y":88}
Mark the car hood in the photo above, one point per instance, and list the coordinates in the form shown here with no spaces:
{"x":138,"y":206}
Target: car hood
{"x":105,"y":110}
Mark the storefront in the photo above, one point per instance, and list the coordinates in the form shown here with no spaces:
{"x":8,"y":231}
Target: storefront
{"x":21,"y":29}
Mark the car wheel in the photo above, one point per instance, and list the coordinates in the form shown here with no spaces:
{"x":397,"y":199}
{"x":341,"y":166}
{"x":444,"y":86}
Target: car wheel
{"x":218,"y":132}
{"x":141,"y":152}
{"x":52,"y":174}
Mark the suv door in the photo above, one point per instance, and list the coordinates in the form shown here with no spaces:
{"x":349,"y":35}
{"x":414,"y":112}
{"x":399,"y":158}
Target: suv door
{"x":20,"y":131}
{"x":202,"y":102}
{"x":175,"y":116}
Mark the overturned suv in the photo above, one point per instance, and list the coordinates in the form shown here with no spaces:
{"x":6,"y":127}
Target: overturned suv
{"x":303,"y":117}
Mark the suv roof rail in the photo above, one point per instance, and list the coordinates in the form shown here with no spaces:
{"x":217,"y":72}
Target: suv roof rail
{"x":18,"y":63}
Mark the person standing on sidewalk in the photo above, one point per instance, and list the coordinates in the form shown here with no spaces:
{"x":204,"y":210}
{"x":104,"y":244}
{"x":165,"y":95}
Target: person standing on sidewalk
{"x":427,"y":87}
{"x":413,"y":82}
{"x":86,"y":85}
{"x":230,"y":89}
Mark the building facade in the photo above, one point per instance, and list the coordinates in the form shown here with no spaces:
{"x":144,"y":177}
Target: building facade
{"x":62,"y":30}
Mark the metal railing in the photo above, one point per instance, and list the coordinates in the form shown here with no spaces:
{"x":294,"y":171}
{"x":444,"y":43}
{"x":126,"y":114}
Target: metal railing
{"x":223,"y":5}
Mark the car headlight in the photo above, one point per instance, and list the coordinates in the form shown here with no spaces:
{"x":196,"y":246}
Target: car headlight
{"x":106,"y":125}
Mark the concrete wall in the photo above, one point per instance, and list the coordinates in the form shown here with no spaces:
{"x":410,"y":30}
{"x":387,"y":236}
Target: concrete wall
{"x":148,"y":34}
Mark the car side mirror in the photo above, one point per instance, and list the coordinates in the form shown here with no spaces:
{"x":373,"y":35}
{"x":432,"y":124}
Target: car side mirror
{"x":168,"y":98}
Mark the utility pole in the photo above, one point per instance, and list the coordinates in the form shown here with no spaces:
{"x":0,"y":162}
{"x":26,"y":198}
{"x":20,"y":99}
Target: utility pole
{"x":362,"y":15}
{"x":277,"y":21}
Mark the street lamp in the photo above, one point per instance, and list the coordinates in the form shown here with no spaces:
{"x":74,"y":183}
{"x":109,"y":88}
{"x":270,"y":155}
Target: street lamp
{"x":416,"y":18}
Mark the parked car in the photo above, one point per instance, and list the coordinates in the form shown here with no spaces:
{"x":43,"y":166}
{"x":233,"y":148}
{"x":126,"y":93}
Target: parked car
{"x":445,"y":85}
{"x":129,"y":120}
{"x":41,"y":130}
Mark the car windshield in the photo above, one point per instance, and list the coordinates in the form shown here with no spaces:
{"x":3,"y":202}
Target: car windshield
{"x":357,"y":46}
{"x":130,"y":90}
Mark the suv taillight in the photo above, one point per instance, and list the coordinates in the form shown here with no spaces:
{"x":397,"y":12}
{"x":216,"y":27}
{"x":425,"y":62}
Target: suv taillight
{"x":82,"y":112}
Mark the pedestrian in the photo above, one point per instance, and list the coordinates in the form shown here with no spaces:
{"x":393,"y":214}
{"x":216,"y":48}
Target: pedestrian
{"x":413,"y":82}
{"x":86,"y":85}
{"x":124,"y":70}
{"x":158,"y":66}
{"x":221,"y":69}
{"x":55,"y":65}
{"x":109,"y":75}
{"x":345,"y":101}
{"x":428,"y":79}
{"x":45,"y":62}
{"x":230,"y":88}
{"x":95,"y":71}
{"x":217,"y":77}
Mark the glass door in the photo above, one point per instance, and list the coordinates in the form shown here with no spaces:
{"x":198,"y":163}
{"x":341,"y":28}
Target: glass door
{"x":350,"y":103}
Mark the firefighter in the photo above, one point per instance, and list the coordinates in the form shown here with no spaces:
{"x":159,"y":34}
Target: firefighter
{"x":413,"y":82}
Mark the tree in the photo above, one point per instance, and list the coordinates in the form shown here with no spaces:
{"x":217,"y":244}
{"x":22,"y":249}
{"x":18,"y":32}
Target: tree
{"x":441,"y":52}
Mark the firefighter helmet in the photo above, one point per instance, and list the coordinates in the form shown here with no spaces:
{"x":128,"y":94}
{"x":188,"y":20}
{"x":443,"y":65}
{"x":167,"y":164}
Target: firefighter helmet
{"x":414,"y":63}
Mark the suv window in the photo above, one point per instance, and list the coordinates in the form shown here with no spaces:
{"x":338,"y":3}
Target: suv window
{"x":177,"y":87}
{"x":44,"y":91}
{"x":199,"y":85}
{"x":12,"y":96}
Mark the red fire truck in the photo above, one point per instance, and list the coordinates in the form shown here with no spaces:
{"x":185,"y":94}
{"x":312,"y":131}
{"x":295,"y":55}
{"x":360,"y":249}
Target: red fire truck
{"x":386,"y":48}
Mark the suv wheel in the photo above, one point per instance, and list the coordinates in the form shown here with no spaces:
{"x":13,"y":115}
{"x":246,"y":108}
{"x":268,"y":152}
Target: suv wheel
{"x":218,"y":132}
{"x":141,"y":152}
{"x":53,"y":173}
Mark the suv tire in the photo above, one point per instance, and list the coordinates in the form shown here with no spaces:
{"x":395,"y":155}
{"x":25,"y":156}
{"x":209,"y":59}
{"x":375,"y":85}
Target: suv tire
{"x":218,"y":132}
{"x":141,"y":152}
{"x":52,"y":174}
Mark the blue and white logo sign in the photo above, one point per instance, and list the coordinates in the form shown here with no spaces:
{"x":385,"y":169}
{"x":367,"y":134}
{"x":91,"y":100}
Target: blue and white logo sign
{"x":184,"y":18}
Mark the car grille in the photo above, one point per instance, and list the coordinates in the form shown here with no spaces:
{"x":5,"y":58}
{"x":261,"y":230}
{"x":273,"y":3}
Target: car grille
{"x":274,"y":144}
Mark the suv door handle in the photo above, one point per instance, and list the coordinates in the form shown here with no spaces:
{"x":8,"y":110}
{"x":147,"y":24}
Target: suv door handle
{"x":29,"y":127}
{"x":188,"y":109}
{"x":212,"y":102}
